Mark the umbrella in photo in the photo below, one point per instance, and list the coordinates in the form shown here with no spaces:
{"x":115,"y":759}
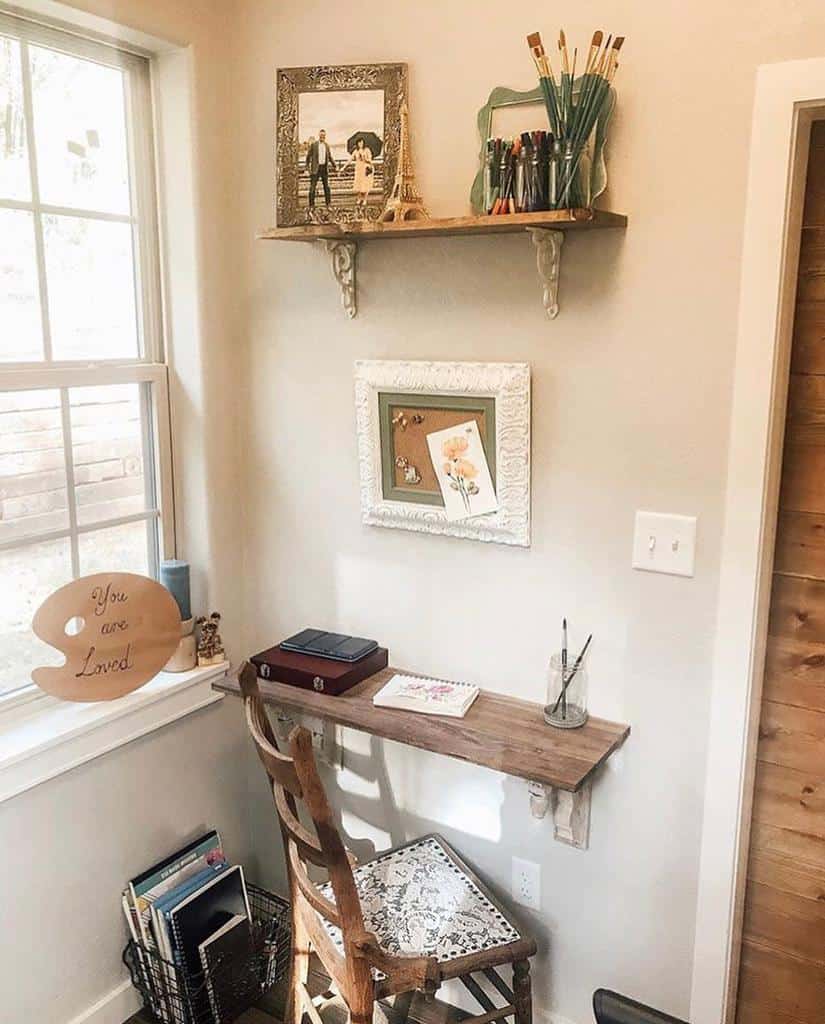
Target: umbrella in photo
{"x":371,"y":141}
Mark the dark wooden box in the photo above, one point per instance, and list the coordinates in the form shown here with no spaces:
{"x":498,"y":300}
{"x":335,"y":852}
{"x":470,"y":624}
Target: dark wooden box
{"x":320,"y":674}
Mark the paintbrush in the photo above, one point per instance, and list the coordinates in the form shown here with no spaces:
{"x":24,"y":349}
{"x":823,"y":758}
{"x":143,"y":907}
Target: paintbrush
{"x":546,"y":79}
{"x":571,"y":677}
{"x":563,"y":667}
{"x":613,"y":63}
{"x":595,"y":45}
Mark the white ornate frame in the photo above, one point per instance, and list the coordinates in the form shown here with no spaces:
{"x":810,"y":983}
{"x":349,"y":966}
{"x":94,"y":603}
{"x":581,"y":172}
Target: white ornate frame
{"x":509,"y":385}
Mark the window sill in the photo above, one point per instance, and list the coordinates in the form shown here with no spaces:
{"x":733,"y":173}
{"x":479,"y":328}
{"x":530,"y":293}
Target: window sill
{"x":45,"y":737}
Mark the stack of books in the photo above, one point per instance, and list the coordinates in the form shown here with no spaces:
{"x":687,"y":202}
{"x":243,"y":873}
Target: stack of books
{"x":315,"y":659}
{"x":187,"y":914}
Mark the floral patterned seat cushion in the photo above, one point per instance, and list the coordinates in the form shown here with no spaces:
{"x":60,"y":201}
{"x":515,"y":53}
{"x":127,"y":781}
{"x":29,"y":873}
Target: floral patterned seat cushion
{"x":418,"y":901}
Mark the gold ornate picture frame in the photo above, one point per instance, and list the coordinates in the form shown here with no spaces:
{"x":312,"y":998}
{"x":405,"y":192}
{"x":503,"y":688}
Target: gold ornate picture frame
{"x":318,"y":178}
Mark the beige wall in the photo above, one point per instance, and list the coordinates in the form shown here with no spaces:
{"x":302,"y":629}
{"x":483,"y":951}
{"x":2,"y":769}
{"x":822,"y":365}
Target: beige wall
{"x":631,"y":404}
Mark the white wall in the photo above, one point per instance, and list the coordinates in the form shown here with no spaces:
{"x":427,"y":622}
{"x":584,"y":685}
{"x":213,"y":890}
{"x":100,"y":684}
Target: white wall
{"x":70,"y":844}
{"x":631,"y":403}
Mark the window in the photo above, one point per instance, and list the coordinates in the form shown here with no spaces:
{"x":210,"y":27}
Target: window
{"x":85,"y":465}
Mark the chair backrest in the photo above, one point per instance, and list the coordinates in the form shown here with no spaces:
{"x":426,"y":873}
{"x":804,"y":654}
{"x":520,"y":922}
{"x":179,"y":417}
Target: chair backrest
{"x":295,"y":781}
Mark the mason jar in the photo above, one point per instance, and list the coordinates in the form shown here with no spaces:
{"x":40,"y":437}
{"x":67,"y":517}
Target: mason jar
{"x":566,"y":706}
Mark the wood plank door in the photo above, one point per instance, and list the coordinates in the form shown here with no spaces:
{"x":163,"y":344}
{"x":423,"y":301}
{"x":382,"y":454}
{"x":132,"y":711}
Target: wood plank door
{"x":782,"y":972}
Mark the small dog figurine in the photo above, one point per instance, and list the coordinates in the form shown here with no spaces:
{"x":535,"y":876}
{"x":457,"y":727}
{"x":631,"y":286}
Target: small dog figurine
{"x":210,"y":645}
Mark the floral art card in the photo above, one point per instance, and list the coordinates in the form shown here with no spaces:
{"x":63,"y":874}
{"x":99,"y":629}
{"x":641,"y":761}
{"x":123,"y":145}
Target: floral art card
{"x":462,"y":472}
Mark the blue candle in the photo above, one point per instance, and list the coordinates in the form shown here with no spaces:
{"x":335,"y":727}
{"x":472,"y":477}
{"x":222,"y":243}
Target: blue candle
{"x":174,"y":575}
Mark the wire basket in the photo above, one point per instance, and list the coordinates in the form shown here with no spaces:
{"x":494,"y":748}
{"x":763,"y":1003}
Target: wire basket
{"x":173,"y":995}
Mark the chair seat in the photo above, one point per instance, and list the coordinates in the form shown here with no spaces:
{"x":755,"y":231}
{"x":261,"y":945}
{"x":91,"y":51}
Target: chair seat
{"x":421,"y":900}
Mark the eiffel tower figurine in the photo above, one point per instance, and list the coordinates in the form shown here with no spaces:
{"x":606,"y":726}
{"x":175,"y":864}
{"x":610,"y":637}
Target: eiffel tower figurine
{"x":404,"y":203}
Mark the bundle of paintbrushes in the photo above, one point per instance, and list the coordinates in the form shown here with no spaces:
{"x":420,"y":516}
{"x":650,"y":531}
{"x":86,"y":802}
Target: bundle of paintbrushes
{"x":515,"y":173}
{"x":574,"y":108}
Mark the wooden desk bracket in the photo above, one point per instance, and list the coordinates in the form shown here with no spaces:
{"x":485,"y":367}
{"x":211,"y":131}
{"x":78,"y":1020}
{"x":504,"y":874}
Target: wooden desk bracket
{"x":571,"y":812}
{"x":326,"y":736}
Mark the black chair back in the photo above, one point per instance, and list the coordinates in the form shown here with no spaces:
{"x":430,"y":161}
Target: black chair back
{"x":611,"y":1008}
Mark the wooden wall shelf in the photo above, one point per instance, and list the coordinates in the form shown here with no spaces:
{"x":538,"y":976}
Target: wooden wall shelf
{"x":503,"y":733}
{"x":546,"y":229}
{"x":556,"y":220}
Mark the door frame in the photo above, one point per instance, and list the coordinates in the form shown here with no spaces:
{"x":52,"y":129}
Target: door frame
{"x":788,"y":97}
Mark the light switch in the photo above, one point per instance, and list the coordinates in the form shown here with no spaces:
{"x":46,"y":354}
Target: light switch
{"x":664,"y":543}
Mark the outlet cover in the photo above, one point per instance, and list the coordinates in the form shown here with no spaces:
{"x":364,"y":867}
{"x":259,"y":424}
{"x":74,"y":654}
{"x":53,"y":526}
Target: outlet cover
{"x":527,"y":883}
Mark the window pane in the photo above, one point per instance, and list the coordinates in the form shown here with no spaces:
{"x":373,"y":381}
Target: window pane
{"x":27,"y":576}
{"x":90,"y":275}
{"x":33,"y":496}
{"x":79,"y":132}
{"x":107,"y":442}
{"x":122,"y":548}
{"x":21,"y":338}
{"x":14,"y":162}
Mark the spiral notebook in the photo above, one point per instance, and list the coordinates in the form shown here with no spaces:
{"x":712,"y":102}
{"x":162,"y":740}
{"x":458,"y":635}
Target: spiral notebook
{"x":200,"y":915}
{"x":427,"y":696}
{"x":229,"y":968}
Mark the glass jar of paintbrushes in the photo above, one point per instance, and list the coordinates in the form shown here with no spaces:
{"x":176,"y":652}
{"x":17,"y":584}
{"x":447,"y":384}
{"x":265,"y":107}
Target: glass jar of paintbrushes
{"x":578,"y":111}
{"x":516,"y":175}
{"x":566,"y":706}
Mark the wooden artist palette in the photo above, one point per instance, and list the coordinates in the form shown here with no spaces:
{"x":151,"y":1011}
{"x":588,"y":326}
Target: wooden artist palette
{"x":129,"y":626}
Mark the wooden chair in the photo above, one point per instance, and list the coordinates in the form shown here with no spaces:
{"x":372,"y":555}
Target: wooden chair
{"x":408,"y":920}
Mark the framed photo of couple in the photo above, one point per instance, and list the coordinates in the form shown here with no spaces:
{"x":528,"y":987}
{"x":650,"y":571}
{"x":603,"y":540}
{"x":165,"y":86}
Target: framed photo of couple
{"x":338,"y":135}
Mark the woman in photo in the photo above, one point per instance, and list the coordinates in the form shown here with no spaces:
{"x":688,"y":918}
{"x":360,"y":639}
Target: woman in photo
{"x":362,"y":160}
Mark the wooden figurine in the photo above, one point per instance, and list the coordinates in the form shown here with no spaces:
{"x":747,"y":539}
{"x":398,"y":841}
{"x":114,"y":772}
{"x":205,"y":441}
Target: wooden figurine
{"x":210,"y":645}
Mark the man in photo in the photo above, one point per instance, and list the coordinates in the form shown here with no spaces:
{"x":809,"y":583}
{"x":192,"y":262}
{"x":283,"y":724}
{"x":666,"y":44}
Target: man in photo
{"x":318,"y":163}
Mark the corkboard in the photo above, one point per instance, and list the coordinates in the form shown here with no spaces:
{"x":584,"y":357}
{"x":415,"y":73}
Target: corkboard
{"x":129,"y":628}
{"x":406,"y":419}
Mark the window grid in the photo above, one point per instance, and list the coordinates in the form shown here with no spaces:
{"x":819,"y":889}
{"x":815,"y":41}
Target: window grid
{"x":146,"y":369}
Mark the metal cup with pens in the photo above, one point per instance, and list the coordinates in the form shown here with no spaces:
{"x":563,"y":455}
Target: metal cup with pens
{"x":567,"y":690}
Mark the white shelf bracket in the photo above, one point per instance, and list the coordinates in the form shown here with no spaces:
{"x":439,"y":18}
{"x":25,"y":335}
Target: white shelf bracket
{"x":344,"y":257}
{"x":571,"y":812}
{"x":548,"y":245}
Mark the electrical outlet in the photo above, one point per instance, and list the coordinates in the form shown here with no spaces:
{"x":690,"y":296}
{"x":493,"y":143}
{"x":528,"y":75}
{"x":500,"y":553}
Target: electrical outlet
{"x":527,"y":883}
{"x":325,"y":740}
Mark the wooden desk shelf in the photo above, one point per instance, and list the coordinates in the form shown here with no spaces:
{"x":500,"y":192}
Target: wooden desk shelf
{"x":546,"y":229}
{"x":503,"y":733}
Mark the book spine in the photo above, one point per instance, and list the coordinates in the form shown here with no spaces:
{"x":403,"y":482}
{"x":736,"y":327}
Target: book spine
{"x":183,"y":1005}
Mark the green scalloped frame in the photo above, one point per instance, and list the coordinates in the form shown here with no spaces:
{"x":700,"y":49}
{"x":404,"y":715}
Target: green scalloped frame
{"x":500,"y":97}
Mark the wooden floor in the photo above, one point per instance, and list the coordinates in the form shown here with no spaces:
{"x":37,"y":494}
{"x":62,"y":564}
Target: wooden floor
{"x":782,"y":975}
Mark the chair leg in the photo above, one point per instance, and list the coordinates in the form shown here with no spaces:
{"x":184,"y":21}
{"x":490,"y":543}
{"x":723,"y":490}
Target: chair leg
{"x":299,"y":972}
{"x":522,"y":992}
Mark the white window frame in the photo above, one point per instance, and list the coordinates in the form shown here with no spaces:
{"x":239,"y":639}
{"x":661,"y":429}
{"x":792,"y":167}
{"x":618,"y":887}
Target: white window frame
{"x":149,"y":367}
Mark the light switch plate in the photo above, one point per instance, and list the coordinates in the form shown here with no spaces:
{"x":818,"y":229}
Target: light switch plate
{"x":664,"y":543}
